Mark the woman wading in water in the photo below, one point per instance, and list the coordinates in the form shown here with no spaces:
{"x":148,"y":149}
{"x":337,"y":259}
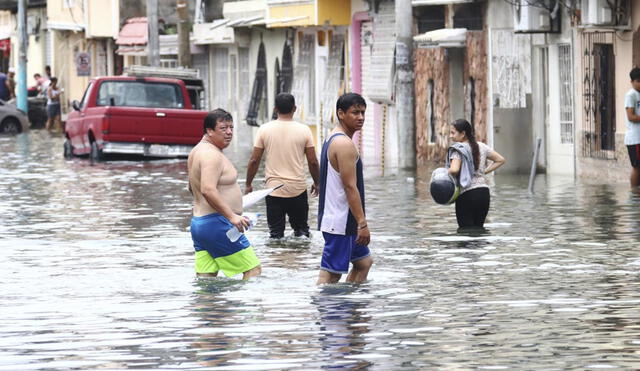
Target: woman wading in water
{"x":470,"y":161}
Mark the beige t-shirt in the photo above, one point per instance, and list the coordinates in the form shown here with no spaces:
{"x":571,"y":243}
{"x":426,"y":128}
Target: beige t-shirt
{"x":284,"y":144}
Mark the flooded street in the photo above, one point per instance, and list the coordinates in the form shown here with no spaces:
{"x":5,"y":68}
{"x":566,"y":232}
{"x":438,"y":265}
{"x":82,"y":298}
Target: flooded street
{"x":96,"y":272}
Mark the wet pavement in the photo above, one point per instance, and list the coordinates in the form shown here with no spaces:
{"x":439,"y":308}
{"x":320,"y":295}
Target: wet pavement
{"x":96,"y":271}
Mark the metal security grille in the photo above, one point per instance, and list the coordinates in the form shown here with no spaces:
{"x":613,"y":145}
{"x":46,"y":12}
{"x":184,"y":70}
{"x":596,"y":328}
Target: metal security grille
{"x":566,"y":94}
{"x":598,"y":61}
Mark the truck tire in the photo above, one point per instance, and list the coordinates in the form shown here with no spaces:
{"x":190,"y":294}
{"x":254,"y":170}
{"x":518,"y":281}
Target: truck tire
{"x":68,"y":149}
{"x":10,"y":125}
{"x":96,"y":153}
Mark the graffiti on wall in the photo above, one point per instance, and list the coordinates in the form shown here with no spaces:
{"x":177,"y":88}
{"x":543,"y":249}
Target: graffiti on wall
{"x":511,"y":69}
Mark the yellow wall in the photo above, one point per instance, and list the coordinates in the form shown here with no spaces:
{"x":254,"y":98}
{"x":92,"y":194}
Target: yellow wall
{"x":66,"y":45}
{"x":101,"y":18}
{"x":58,"y":12}
{"x":292,"y":11}
{"x":35,"y":58}
{"x":318,"y":13}
{"x":334,"y":12}
{"x":7,"y":22}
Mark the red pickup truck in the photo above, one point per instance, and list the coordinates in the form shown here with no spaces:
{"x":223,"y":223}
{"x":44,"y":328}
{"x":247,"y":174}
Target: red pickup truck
{"x":147,"y":116}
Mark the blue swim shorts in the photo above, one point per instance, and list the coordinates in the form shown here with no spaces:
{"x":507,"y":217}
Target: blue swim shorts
{"x":339,"y":250}
{"x":215,"y":252}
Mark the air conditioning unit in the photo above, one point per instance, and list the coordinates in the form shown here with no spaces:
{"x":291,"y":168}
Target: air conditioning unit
{"x":535,"y":16}
{"x":607,"y":13}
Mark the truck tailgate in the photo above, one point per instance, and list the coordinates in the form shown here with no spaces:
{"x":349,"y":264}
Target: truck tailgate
{"x":155,"y":125}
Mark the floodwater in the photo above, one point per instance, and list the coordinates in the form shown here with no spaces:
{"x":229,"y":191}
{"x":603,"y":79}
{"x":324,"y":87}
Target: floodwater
{"x":96,"y":272}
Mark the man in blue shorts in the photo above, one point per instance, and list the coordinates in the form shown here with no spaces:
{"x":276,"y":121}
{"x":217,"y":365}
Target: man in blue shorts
{"x":217,"y":204}
{"x":632,"y":119}
{"x":341,"y":216}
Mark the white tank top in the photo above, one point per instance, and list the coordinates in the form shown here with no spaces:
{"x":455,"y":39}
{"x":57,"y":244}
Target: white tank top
{"x":336,"y":206}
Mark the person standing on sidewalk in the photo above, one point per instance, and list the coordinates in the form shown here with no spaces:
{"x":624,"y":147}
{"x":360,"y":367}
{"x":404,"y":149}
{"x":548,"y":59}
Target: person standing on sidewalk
{"x":53,"y":106}
{"x":286,"y":143}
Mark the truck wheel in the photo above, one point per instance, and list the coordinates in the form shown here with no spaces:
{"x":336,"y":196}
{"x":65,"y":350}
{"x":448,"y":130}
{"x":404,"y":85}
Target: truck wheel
{"x":68,"y":149}
{"x":10,"y":125}
{"x":96,"y":153}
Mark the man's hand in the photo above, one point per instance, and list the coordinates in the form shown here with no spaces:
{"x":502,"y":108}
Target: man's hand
{"x":248,"y":189}
{"x":364,"y":237}
{"x":315,"y":190}
{"x":239,"y":222}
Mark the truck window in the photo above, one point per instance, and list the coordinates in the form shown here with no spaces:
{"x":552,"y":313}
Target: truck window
{"x":140,"y":94}
{"x":83,"y":102}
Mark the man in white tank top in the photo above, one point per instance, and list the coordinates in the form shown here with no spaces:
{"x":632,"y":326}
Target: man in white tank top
{"x":341,"y":215}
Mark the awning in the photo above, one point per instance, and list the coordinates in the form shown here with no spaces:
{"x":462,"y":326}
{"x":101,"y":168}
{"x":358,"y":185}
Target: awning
{"x":5,"y":47}
{"x":438,"y":2}
{"x":217,"y":32}
{"x":247,"y":11}
{"x":134,"y":32}
{"x":445,"y":38}
{"x":140,"y":51}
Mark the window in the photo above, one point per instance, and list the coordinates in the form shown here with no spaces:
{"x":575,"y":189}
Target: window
{"x":244,"y":80}
{"x":139,"y":94}
{"x":599,"y":95}
{"x":84,"y":96}
{"x":429,"y":18}
{"x":430,"y":114}
{"x":470,"y":100}
{"x":168,"y":63}
{"x":469,"y":16}
{"x":566,"y":94}
{"x":220,"y":89}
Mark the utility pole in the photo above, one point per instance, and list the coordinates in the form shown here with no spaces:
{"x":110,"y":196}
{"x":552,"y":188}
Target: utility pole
{"x":405,"y":116}
{"x":21,"y":96}
{"x":184,"y":50}
{"x":153,"y":44}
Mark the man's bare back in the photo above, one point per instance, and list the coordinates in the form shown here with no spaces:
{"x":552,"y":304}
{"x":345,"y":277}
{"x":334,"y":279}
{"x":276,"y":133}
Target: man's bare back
{"x":221,"y":174}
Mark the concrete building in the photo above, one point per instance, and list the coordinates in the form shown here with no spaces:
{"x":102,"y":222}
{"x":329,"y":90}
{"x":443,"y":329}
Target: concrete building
{"x":36,"y":29}
{"x":372,"y":74}
{"x":609,"y":44}
{"x":509,"y":68}
{"x":80,"y":35}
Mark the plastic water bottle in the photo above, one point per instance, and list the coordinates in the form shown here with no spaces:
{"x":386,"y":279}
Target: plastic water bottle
{"x":233,"y":234}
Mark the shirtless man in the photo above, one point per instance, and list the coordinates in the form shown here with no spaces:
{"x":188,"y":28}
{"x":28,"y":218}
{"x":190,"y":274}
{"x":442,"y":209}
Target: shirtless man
{"x":341,"y":216}
{"x":217,"y":204}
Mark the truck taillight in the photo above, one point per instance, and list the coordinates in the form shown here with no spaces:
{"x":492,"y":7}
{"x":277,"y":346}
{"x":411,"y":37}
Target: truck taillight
{"x":105,"y":125}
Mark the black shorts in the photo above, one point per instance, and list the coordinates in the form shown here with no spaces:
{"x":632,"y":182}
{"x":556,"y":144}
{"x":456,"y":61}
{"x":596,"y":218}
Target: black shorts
{"x":634,"y":154}
{"x":53,"y":110}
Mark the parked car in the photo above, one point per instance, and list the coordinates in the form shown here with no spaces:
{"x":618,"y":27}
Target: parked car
{"x":146,"y":116}
{"x":12,"y":120}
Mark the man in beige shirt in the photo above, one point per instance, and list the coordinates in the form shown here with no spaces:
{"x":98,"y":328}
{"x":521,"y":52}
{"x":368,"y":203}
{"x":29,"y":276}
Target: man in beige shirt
{"x":286,"y":144}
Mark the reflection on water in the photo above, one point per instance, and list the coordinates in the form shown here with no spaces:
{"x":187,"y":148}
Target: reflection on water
{"x":97,"y":272}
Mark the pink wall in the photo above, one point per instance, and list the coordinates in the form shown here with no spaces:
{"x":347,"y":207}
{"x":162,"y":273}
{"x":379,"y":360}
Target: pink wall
{"x":356,"y":64}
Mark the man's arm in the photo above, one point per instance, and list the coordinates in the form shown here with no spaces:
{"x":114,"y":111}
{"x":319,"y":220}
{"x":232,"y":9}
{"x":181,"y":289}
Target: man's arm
{"x":210,"y":172}
{"x":346,"y":157}
{"x":631,"y":115}
{"x":252,"y":168}
{"x":314,"y":168}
